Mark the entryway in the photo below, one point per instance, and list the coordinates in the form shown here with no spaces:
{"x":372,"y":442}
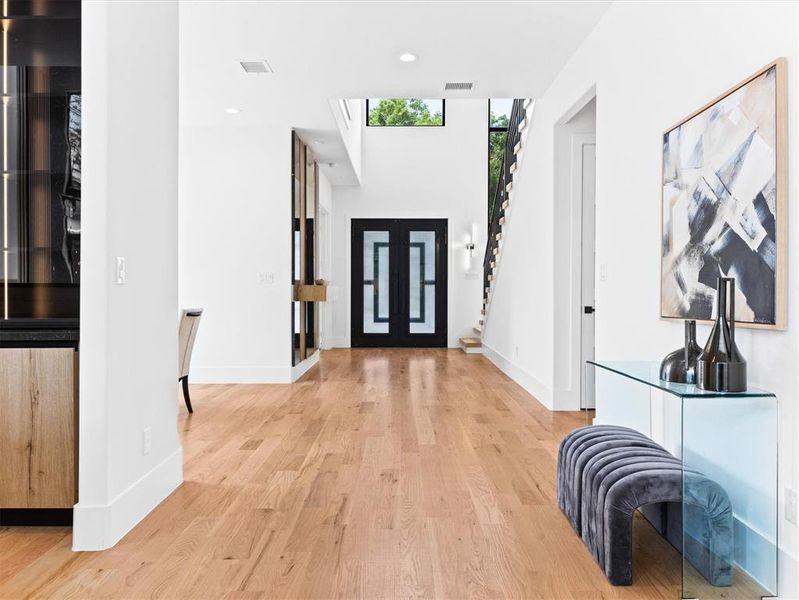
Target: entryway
{"x":399,"y":283}
{"x":575,"y":252}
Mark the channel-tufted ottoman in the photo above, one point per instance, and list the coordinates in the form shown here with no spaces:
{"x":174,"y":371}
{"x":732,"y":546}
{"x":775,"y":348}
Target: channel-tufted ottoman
{"x":606,"y":473}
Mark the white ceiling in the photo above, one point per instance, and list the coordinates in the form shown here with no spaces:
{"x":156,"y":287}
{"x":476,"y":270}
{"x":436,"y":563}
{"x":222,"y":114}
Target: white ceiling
{"x":322,"y":50}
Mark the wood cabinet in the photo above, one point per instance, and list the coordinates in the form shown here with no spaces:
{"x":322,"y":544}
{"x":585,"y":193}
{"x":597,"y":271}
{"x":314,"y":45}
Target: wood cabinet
{"x":38,"y":429}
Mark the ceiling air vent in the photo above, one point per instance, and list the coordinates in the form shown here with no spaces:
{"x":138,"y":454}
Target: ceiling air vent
{"x":458,"y":85}
{"x":255,"y":66}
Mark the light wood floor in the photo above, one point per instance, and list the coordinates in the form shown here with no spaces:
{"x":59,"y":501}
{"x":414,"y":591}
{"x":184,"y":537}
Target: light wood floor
{"x":382,"y":474}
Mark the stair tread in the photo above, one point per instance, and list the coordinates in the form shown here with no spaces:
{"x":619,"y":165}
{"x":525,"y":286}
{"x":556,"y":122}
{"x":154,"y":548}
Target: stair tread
{"x":470,"y":342}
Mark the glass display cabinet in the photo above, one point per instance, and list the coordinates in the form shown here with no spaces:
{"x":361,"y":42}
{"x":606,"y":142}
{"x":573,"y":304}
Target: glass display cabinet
{"x":727,"y":446}
{"x":40,"y":262}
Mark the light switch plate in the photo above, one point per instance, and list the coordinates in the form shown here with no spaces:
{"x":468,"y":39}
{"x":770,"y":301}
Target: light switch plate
{"x":147,"y":441}
{"x":791,"y":507}
{"x":121,"y":271}
{"x":603,"y":272}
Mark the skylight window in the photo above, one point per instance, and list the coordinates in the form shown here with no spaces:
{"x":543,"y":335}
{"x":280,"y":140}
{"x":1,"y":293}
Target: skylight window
{"x":404,"y":112}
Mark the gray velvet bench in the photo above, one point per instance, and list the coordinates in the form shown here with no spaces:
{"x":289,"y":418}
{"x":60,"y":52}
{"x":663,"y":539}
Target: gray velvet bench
{"x":606,"y":473}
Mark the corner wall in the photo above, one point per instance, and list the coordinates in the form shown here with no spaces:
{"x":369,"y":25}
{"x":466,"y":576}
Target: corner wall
{"x":129,"y":333}
{"x":652,"y":63}
{"x":417,"y":173}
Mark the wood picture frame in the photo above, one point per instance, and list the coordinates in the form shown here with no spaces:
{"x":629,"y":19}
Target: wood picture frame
{"x":729,"y":231}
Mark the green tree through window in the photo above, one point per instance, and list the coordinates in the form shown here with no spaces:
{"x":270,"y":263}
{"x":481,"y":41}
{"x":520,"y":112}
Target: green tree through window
{"x":387,"y":112}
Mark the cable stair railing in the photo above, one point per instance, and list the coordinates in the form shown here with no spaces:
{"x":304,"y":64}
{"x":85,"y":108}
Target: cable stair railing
{"x":517,"y":127}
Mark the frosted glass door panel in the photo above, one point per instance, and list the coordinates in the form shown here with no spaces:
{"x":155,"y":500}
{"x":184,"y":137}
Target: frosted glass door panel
{"x":376,"y":278}
{"x":422,"y":282}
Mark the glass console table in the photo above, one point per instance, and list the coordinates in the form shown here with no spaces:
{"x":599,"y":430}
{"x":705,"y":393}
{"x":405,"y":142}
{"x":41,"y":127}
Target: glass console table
{"x":728,"y":438}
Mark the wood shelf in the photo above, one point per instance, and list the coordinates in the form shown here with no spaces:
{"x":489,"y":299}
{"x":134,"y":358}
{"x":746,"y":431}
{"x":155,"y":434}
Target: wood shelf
{"x":310,"y":292}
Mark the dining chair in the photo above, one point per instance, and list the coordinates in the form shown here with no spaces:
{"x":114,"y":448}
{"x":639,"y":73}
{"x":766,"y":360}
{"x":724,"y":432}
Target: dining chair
{"x":189,"y":323}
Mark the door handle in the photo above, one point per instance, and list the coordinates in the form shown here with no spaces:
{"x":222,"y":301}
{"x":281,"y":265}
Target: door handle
{"x":400,"y":296}
{"x":589,"y":310}
{"x":395,"y":291}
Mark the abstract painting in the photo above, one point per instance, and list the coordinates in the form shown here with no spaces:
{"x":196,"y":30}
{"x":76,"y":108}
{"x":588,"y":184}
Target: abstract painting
{"x":725,"y":205}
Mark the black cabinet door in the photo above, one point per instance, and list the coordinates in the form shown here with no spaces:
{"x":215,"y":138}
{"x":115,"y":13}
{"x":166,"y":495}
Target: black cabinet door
{"x":399,"y":282}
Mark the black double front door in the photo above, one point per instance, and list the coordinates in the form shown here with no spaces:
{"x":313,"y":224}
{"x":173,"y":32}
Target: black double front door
{"x":399,"y":282}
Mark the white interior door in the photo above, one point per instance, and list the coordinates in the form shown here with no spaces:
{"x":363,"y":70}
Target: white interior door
{"x":587,"y":175}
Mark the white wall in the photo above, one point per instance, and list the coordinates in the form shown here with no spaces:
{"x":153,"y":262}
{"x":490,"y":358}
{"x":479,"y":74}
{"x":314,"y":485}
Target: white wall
{"x":421,"y":172}
{"x":235,"y":249}
{"x":128,"y":353}
{"x":652,"y":63}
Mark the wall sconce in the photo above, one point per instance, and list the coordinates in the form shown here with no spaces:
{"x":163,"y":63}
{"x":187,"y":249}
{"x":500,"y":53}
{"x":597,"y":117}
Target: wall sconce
{"x":471,"y":242}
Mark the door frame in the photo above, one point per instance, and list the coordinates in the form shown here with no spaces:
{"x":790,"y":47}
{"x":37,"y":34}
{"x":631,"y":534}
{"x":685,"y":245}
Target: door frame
{"x":400,"y":226}
{"x":325,"y":272}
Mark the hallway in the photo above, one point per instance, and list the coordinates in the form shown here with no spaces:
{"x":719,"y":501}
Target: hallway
{"x":381,"y":474}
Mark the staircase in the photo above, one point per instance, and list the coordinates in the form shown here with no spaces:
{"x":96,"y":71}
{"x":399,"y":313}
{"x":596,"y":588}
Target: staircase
{"x":517,"y":129}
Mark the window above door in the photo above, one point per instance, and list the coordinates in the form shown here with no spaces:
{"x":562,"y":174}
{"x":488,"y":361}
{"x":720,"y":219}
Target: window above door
{"x":405,"y":112}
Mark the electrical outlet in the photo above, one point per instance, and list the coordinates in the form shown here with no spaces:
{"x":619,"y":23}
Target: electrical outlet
{"x":266,"y":278}
{"x":603,"y":272}
{"x":516,"y":352}
{"x":121,"y":271}
{"x":791,"y":506}
{"x":146,"y":441}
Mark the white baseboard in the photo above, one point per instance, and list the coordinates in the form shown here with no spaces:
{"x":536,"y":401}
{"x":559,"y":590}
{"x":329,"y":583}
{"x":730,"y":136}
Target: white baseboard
{"x":98,"y":527}
{"x":537,"y":389}
{"x":341,"y":341}
{"x":240,"y":375}
{"x":301,"y":369}
{"x":788,"y":570}
{"x":566,"y":399}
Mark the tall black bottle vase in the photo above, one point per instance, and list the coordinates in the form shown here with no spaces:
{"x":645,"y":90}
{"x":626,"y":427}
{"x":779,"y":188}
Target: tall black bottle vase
{"x":720,"y":367}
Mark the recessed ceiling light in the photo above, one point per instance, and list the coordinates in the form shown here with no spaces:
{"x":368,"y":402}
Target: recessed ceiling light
{"x":407,"y":57}
{"x":320,"y":142}
{"x":232,"y":110}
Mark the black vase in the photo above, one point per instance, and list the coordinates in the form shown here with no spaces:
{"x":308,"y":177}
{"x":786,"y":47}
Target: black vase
{"x":680,"y":366}
{"x":720,"y":367}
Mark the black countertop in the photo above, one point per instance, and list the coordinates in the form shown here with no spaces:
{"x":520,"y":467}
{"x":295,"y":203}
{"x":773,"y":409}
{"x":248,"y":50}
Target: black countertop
{"x":16,"y":333}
